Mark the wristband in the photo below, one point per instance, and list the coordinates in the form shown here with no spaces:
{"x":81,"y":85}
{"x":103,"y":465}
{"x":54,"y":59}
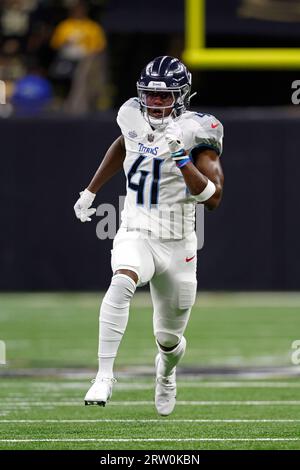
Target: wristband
{"x":207,"y":192}
{"x":181,"y":163}
{"x":179,"y":154}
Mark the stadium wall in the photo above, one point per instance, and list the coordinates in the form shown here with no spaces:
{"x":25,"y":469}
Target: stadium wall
{"x":251,"y":241}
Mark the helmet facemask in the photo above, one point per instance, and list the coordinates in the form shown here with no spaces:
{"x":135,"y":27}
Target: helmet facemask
{"x":177,"y":106}
{"x":163,"y":75}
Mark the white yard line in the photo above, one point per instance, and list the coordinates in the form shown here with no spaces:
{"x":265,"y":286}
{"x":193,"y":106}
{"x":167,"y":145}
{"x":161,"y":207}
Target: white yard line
{"x":190,"y":384}
{"x":191,"y":439}
{"x":150,"y":421}
{"x":240,"y":384}
{"x":9,"y":404}
{"x":58,"y":388}
{"x":138,"y":386}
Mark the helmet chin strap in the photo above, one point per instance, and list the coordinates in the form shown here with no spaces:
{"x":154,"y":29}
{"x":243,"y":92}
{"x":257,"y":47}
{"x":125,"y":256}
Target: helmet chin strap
{"x":159,"y":123}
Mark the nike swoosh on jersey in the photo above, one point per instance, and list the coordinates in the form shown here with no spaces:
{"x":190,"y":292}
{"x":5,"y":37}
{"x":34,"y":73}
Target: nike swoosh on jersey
{"x":213,"y":126}
{"x":189,"y":259}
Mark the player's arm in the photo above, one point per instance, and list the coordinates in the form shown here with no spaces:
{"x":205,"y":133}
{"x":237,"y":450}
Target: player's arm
{"x":110,"y":165}
{"x":203,"y":173}
{"x":206,"y":168}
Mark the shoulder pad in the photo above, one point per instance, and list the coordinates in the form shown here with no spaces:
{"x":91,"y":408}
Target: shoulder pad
{"x":128,"y":116}
{"x":208,"y":132}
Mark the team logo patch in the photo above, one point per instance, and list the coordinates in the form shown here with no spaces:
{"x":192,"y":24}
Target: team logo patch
{"x":132,"y":134}
{"x":150,"y":137}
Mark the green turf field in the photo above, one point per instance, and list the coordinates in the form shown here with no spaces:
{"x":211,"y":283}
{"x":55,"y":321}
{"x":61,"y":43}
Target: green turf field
{"x":242,"y":332}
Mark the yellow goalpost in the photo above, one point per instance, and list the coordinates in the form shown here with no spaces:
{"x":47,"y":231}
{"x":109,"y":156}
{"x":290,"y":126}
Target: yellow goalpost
{"x":196,"y":55}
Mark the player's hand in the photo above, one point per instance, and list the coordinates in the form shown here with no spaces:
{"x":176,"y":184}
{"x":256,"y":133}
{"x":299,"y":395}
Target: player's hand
{"x":174,"y":138}
{"x":82,"y":208}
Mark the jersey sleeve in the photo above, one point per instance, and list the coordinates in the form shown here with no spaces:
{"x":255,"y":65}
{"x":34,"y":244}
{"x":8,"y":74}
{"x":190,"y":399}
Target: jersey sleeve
{"x":127,"y":117}
{"x":208,"y":133}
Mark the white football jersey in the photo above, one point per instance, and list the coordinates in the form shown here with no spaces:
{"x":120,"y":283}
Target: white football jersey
{"x":157,"y":198}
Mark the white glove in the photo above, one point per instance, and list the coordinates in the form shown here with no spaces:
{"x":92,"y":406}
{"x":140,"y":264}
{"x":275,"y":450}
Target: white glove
{"x":82,"y":206}
{"x":174,"y":138}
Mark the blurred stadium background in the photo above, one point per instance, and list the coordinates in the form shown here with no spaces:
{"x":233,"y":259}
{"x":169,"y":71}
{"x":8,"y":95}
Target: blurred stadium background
{"x":239,"y":379}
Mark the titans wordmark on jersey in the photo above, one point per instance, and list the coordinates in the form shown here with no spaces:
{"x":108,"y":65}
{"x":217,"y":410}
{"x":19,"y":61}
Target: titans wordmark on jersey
{"x":157,"y":198}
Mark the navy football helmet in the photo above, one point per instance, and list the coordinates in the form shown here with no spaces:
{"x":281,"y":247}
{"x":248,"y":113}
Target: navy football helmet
{"x":165,"y":74}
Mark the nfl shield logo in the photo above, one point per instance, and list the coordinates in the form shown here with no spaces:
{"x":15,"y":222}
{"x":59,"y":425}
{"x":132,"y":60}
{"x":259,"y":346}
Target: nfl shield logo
{"x":150,"y":137}
{"x":132,"y":134}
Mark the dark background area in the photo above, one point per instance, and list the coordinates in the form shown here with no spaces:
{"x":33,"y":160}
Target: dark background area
{"x":156,"y":28}
{"x":251,"y":241}
{"x":138,"y":31}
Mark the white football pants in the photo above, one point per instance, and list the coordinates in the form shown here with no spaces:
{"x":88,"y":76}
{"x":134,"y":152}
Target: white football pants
{"x":170,"y":267}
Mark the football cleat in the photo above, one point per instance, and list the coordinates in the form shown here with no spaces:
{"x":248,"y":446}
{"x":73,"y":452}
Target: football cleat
{"x":165,"y":391}
{"x":100,"y":392}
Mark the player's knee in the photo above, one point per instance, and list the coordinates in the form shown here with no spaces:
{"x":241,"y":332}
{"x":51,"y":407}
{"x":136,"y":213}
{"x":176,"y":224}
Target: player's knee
{"x":167,"y":340}
{"x":133,"y":275}
{"x":120,"y":291}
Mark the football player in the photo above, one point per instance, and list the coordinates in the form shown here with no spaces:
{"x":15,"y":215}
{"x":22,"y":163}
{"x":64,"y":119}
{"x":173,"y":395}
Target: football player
{"x":171,"y":161}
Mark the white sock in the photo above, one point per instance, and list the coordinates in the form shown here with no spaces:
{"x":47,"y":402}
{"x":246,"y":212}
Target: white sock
{"x":114,"y":313}
{"x":169,"y":359}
